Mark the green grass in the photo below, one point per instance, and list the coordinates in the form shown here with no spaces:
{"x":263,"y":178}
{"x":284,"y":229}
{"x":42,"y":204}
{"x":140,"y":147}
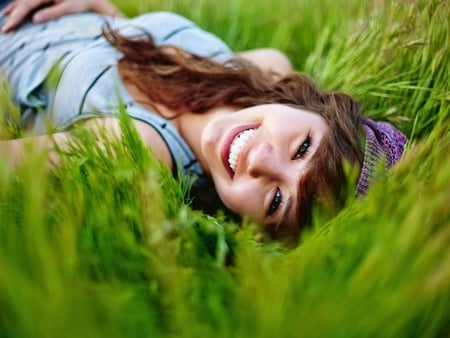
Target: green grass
{"x":107,"y":248}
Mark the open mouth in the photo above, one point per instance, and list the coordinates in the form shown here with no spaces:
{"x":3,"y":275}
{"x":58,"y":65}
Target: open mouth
{"x":235,"y":145}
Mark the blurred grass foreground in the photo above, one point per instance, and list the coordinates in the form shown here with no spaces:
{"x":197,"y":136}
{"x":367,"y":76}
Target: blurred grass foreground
{"x":107,"y":248}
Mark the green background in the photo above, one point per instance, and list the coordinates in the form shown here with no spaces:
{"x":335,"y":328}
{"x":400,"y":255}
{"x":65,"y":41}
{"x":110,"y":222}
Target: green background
{"x":106,"y":248}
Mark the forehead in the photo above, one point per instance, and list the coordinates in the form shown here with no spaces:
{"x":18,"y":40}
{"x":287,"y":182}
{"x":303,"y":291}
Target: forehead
{"x":285,"y":109}
{"x":293,"y":116}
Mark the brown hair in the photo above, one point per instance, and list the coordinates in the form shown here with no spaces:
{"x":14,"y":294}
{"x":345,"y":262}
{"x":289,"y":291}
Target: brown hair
{"x":185,"y":82}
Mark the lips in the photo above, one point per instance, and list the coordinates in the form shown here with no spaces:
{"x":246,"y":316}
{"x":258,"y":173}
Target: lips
{"x":234,"y":144}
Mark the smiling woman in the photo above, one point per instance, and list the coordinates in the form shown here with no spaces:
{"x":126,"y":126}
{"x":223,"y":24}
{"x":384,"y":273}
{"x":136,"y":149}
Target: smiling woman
{"x":255,"y":134}
{"x":265,"y":151}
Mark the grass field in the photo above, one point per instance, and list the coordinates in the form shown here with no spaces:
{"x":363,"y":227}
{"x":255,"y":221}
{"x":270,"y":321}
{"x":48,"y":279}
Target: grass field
{"x":105,"y":248}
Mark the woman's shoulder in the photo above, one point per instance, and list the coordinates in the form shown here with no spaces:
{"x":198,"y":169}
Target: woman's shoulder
{"x":167,"y":28}
{"x":161,"y":25}
{"x":161,"y":18}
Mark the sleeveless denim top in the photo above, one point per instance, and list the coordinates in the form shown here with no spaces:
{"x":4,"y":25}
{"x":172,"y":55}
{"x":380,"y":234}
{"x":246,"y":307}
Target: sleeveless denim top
{"x":87,"y":83}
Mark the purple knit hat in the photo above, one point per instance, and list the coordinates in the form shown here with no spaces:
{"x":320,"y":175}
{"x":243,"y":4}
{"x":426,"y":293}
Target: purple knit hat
{"x":383,"y":143}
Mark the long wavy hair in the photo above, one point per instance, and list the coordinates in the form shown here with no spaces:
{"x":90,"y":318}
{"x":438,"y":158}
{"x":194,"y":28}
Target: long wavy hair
{"x":185,"y":82}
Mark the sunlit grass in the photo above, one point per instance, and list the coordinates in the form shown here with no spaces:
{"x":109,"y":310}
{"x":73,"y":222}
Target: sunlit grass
{"x":106,"y":245}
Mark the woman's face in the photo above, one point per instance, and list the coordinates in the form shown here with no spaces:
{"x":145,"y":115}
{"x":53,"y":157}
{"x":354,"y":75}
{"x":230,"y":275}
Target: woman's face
{"x":256,"y":158}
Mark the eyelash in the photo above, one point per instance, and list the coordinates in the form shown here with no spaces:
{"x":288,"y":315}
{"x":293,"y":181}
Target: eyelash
{"x":300,"y":154}
{"x":275,"y":203}
{"x":304,"y":148}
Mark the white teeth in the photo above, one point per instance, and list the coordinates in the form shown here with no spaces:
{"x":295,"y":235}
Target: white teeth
{"x":237,"y":145}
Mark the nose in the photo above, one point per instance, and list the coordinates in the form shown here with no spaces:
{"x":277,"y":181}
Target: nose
{"x":262,"y":161}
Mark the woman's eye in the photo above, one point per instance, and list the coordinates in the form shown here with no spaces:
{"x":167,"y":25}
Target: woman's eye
{"x":275,"y":203}
{"x":303,"y":149}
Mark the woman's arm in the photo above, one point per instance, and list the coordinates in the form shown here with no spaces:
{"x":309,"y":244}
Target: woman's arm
{"x":269,"y":60}
{"x":15,"y":151}
{"x":44,"y":10}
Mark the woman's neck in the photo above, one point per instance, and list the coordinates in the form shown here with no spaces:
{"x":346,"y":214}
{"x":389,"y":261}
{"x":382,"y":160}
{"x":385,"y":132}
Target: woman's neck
{"x":191,"y":125}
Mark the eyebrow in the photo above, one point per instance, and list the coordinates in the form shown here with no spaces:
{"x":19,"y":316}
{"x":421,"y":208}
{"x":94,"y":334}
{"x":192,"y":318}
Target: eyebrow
{"x":286,"y":211}
{"x":288,"y":207}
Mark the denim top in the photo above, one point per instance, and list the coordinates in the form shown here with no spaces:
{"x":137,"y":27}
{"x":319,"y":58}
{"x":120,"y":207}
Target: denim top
{"x":88,"y":83}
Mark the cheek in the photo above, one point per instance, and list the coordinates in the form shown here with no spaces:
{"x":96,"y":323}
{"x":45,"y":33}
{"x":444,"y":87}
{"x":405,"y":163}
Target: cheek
{"x":229,"y":197}
{"x":209,"y":138}
{"x":242,"y":198}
